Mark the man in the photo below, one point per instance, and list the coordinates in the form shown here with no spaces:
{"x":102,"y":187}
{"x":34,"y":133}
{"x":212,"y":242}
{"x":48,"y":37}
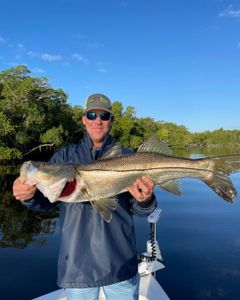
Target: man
{"x":94,"y":253}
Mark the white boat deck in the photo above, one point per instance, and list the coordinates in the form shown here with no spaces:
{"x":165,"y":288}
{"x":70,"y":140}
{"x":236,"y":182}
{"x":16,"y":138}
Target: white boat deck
{"x":149,"y":290}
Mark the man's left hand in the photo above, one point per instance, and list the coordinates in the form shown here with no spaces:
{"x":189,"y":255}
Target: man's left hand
{"x":142,"y":189}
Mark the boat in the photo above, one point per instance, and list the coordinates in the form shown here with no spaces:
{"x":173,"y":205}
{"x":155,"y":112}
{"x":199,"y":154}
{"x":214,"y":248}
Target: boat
{"x":150,"y":262}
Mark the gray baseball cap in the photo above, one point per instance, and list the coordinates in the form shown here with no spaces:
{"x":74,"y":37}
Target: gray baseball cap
{"x":98,"y":101}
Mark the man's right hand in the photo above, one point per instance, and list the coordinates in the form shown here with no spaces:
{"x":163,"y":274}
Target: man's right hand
{"x":23,"y":191}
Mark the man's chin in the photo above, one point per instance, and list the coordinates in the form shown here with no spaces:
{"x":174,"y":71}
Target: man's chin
{"x":98,"y":137}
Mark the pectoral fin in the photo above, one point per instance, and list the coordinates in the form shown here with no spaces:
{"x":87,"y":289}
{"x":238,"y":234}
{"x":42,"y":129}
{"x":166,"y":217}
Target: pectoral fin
{"x":171,"y":186}
{"x":105,"y":207}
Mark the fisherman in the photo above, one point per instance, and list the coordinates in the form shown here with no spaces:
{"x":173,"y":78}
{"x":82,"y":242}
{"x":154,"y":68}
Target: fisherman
{"x":94,"y":253}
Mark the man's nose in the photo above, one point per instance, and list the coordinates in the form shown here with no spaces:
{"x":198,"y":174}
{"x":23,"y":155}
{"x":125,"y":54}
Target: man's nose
{"x":98,"y":119}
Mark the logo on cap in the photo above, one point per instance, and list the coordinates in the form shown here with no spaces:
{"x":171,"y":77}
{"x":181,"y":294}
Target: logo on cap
{"x":98,"y":101}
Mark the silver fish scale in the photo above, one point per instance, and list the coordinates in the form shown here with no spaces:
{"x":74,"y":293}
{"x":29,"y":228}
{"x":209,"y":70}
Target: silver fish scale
{"x":144,"y":161}
{"x":108,"y":183}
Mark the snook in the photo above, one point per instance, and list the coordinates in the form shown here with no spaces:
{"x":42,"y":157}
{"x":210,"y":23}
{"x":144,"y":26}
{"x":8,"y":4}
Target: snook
{"x":99,"y":182}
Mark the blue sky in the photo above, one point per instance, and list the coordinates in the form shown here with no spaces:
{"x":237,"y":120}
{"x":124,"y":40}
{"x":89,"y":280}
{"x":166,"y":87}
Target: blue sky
{"x":175,"y":61}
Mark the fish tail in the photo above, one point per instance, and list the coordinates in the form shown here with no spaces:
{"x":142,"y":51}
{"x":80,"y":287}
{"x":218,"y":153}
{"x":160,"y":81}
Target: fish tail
{"x":219,"y":182}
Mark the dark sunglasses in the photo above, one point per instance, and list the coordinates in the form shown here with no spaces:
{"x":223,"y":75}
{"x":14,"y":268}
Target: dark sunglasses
{"x":105,"y":116}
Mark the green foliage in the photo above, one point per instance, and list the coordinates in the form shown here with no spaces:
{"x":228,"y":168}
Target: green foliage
{"x":5,"y":126}
{"x":174,"y":135}
{"x":32,"y":113}
{"x":124,"y":123}
{"x":9,"y":153}
{"x":53,"y":135}
{"x":217,"y":137}
{"x":131,"y":131}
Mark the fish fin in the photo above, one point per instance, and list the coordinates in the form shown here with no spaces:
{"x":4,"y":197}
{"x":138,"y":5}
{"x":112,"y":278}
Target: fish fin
{"x":228,"y":164}
{"x":221,"y":184}
{"x":112,"y":152}
{"x":154,"y":144}
{"x":105,"y":206}
{"x":172,"y":186}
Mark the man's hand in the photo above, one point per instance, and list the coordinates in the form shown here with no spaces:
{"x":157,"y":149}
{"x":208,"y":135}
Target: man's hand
{"x":142,"y":189}
{"x":23,"y":191}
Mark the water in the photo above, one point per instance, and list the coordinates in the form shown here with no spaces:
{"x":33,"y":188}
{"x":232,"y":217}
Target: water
{"x":198,"y":233}
{"x":200,"y":241}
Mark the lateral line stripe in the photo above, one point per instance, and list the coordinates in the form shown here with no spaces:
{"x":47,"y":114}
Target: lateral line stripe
{"x":137,"y":170}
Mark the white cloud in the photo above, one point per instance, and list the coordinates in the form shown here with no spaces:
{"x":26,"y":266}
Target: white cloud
{"x":66,"y":64}
{"x":80,"y":36}
{"x":230,"y":12}
{"x":50,"y":57}
{"x":102,"y":66}
{"x":2,"y":40}
{"x":80,"y":58}
{"x":33,"y":54}
{"x":95,"y":45}
{"x":38,"y":71}
{"x":45,"y":56}
{"x":20,"y":46}
{"x":214,"y":27}
{"x":102,"y":70}
{"x":14,"y":64}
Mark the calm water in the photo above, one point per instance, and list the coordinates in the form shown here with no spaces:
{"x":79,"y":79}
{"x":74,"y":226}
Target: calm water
{"x":198,"y":233}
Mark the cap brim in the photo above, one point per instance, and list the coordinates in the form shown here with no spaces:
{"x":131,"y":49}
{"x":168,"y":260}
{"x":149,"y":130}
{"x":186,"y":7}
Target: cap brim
{"x":98,"y":107}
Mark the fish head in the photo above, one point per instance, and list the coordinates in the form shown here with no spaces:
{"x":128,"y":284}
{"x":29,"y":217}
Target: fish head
{"x":55,"y":181}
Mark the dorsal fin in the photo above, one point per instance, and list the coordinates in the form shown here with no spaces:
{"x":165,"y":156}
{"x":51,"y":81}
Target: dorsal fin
{"x":113,"y":152}
{"x":154,"y":144}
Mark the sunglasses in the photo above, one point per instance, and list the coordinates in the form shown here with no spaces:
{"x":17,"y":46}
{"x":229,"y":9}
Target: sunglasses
{"x":105,"y":116}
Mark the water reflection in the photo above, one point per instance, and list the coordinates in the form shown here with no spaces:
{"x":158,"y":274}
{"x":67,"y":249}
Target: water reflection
{"x":205,"y":152}
{"x":18,"y":225}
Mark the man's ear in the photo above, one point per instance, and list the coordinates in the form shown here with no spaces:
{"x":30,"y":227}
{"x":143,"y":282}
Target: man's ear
{"x":83,"y":120}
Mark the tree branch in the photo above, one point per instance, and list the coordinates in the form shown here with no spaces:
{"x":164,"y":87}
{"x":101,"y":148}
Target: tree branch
{"x":39,"y":147}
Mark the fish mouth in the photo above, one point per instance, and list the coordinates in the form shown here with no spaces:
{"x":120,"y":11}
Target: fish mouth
{"x":69,"y":188}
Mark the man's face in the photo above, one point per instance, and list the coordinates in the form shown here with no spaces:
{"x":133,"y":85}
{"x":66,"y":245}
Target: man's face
{"x":97,"y":129}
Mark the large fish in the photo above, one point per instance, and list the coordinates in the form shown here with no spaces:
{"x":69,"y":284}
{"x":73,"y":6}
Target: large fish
{"x":100,"y":181}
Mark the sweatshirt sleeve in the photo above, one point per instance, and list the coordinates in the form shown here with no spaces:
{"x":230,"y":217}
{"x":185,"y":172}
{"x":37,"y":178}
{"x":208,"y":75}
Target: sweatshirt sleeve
{"x":141,"y":211}
{"x":39,"y":203}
